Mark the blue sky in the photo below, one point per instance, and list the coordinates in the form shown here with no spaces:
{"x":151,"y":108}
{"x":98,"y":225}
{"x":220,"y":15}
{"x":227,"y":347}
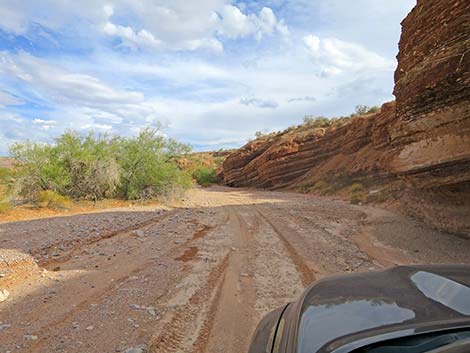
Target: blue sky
{"x":211,"y":71}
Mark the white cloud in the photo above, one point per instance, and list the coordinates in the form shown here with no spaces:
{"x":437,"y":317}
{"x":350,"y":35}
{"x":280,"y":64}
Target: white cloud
{"x":259,"y":103}
{"x":157,"y":24}
{"x":44,"y":122}
{"x":336,"y":56}
{"x":131,"y":38}
{"x":58,"y":85}
{"x":302,"y":99}
{"x":235,"y":24}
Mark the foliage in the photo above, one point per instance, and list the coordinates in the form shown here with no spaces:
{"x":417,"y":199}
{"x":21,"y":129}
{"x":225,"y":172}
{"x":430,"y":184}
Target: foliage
{"x":203,"y":167}
{"x":317,"y":122}
{"x":97,"y":166}
{"x":51,"y":199}
{"x":358,"y":194}
{"x":364,"y":110}
{"x":5,"y":207}
{"x":374,"y":109}
{"x":259,"y":134}
{"x":148,"y":165}
{"x":75,"y":166}
{"x":361,"y":109}
{"x":322,"y":187}
{"x":205,"y":175}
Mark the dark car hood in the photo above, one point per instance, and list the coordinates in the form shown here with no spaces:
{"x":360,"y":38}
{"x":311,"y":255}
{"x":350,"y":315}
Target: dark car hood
{"x":340,"y":313}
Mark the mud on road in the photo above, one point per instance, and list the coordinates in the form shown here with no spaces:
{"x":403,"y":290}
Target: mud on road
{"x":196,"y":278}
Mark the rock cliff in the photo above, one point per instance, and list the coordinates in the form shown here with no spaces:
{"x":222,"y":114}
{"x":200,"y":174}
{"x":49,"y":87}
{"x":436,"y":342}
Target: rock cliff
{"x":420,"y":142}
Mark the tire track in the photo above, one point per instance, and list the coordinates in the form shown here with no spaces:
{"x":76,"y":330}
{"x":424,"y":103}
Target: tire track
{"x":177,"y":333}
{"x":109,"y":291}
{"x":236,"y":300}
{"x":307,"y":274}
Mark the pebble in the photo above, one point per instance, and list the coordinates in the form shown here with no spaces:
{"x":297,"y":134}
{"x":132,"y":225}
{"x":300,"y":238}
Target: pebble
{"x":4,"y":294}
{"x":4,"y":326}
{"x":139,"y":233}
{"x":30,"y":337}
{"x":90,"y":328}
{"x":139,"y":349}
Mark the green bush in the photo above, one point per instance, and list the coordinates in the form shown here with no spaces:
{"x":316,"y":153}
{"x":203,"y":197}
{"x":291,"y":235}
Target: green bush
{"x":317,"y":122}
{"x":358,"y":194}
{"x":205,"y":176}
{"x":52,"y":200}
{"x":5,"y":207}
{"x":148,"y":166}
{"x":322,"y":187}
{"x":94,"y":167}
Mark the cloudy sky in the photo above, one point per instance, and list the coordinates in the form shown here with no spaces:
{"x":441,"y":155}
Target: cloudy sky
{"x":212,"y":71}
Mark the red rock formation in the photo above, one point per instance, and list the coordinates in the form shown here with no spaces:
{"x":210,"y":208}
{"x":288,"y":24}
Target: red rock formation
{"x":423,"y":138}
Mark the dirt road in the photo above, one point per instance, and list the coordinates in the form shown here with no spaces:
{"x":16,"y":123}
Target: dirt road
{"x":196,"y":278}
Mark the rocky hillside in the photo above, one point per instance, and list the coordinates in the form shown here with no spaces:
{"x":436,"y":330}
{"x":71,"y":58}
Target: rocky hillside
{"x":420,"y":143}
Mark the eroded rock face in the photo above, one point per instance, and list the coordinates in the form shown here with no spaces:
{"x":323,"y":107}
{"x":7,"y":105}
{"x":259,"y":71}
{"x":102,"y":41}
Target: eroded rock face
{"x":360,"y":148}
{"x":423,"y":139}
{"x":432,"y":89}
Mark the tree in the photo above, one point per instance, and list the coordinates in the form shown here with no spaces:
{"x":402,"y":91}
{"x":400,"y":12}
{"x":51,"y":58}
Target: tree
{"x":259,"y":134}
{"x":97,"y":166}
{"x":148,"y":165}
{"x":361,"y":109}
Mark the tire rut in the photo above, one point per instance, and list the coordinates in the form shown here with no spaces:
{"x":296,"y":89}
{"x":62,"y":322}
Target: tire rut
{"x":307,"y":274}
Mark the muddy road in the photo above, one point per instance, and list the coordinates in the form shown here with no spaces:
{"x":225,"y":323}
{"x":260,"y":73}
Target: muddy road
{"x":195,"y":278}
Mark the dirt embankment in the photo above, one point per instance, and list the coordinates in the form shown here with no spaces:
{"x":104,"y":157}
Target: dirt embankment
{"x":420,"y":144}
{"x":193,"y":279}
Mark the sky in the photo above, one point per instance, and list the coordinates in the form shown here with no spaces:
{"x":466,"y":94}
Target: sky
{"x":212,"y":72}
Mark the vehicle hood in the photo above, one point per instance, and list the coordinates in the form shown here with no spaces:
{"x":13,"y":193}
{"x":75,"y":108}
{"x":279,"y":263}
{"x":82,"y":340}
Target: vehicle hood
{"x":341,"y":313}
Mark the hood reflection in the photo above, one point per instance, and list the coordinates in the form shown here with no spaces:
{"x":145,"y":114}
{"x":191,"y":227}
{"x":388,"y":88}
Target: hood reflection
{"x":443,"y":290}
{"x":321,"y":323}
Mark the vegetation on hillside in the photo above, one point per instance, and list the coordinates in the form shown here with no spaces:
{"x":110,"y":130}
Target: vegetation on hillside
{"x":320,"y":122}
{"x":204,"y":166}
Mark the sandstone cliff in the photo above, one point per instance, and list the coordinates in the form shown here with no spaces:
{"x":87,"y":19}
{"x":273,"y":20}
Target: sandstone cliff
{"x":421,"y":142}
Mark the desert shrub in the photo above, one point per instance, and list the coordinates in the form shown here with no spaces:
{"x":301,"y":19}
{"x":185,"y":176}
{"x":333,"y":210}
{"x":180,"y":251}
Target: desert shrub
{"x":361,"y":109}
{"x":374,"y":109}
{"x":305,"y":187}
{"x":6,"y":180}
{"x":203,"y":167}
{"x":364,"y":110}
{"x":148,"y":165}
{"x":322,"y":187}
{"x":75,"y":166}
{"x":317,"y":122}
{"x":93,"y":167}
{"x":205,"y":176}
{"x":5,"y":207}
{"x":52,"y":200}
{"x":259,"y":134}
{"x":4,"y":173}
{"x":358,"y":194}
